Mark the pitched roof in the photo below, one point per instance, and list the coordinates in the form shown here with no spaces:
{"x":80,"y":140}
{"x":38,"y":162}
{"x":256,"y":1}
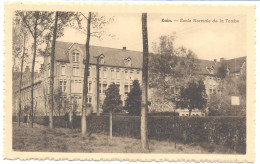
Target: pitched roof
{"x":113,"y":56}
{"x":203,"y":65}
{"x":116,"y":57}
{"x":234,"y":65}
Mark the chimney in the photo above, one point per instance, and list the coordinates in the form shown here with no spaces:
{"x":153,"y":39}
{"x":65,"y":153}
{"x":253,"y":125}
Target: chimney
{"x":124,"y":48}
{"x":222,"y":60}
{"x":215,"y":60}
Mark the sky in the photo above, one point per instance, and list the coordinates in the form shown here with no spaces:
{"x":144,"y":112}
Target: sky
{"x":207,"y":40}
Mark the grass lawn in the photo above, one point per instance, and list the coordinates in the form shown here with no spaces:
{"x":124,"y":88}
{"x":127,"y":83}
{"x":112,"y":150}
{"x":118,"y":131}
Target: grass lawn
{"x":41,"y":139}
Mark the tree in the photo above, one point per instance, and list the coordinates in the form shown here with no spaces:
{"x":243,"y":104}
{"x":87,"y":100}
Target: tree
{"x":61,"y":102}
{"x":133,"y":102}
{"x":36,"y":22}
{"x":61,"y":19}
{"x":52,"y":69}
{"x":170,"y":61}
{"x":220,"y":104}
{"x":85,"y":84}
{"x":112,"y":103}
{"x":222,"y":70}
{"x":170,"y":67}
{"x":144,"y":108}
{"x":19,"y":52}
{"x":95,"y":28}
{"x":194,"y":96}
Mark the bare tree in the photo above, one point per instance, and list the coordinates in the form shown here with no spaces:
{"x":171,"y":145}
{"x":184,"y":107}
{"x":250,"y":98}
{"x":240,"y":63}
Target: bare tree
{"x":144,"y":108}
{"x":95,"y":28}
{"x":19,"y":52}
{"x":85,"y":84}
{"x":37,"y":22}
{"x":52,"y":70}
{"x":21,"y":79}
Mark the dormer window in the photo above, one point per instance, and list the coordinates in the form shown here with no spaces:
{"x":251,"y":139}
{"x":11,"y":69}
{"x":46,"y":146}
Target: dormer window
{"x":102,"y":59}
{"x":210,"y":69}
{"x":75,"y":57}
{"x":128,"y":62}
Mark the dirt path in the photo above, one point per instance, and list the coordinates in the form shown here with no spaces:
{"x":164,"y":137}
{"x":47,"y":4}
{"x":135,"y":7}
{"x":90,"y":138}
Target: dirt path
{"x":40,"y":138}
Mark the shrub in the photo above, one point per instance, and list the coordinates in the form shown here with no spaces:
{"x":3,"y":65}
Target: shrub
{"x":228,"y":131}
{"x":133,"y":101}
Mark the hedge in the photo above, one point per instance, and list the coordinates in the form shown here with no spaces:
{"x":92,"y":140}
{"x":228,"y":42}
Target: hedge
{"x":229,"y":131}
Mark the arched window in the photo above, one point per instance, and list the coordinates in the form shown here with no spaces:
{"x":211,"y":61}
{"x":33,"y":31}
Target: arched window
{"x":75,"y":56}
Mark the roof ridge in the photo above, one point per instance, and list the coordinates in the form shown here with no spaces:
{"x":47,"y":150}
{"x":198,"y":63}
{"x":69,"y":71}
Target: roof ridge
{"x":99,"y":46}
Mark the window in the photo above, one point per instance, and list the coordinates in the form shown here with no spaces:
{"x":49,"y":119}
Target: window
{"x":138,"y":75}
{"x":126,"y":89}
{"x":104,"y":88}
{"x":62,"y":70}
{"x":63,"y":85}
{"x":126,"y":74}
{"x":89,"y":87}
{"x":131,"y":87}
{"x":60,"y":86}
{"x":112,"y":74}
{"x":75,"y":57}
{"x":99,"y":88}
{"x":90,"y":100}
{"x":76,"y":86}
{"x":131,"y":75}
{"x":118,"y":74}
{"x":101,"y":60}
{"x":104,"y":73}
{"x":128,"y":62}
{"x":88,"y":71}
{"x":75,"y":70}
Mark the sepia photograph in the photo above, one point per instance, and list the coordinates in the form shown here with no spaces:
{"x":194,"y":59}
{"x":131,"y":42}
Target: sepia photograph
{"x":135,"y":82}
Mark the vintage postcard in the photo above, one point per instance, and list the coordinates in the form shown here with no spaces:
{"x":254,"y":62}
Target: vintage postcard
{"x":129,"y":82}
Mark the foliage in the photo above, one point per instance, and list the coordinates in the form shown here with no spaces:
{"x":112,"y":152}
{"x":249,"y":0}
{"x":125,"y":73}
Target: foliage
{"x":221,"y":104}
{"x":194,"y":95}
{"x":168,"y":66}
{"x":112,"y":102}
{"x":26,"y":109}
{"x":62,"y":103}
{"x":170,"y":61}
{"x":133,"y":102}
{"x":233,"y":86}
{"x":221,"y":70}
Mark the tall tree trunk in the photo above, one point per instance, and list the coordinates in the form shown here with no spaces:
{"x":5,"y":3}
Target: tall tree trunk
{"x":33,"y":64}
{"x":21,"y":80}
{"x":52,"y":71}
{"x":144,"y":84}
{"x":85,"y":84}
{"x":110,"y":124}
{"x":97,"y":83}
{"x":32,"y":81}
